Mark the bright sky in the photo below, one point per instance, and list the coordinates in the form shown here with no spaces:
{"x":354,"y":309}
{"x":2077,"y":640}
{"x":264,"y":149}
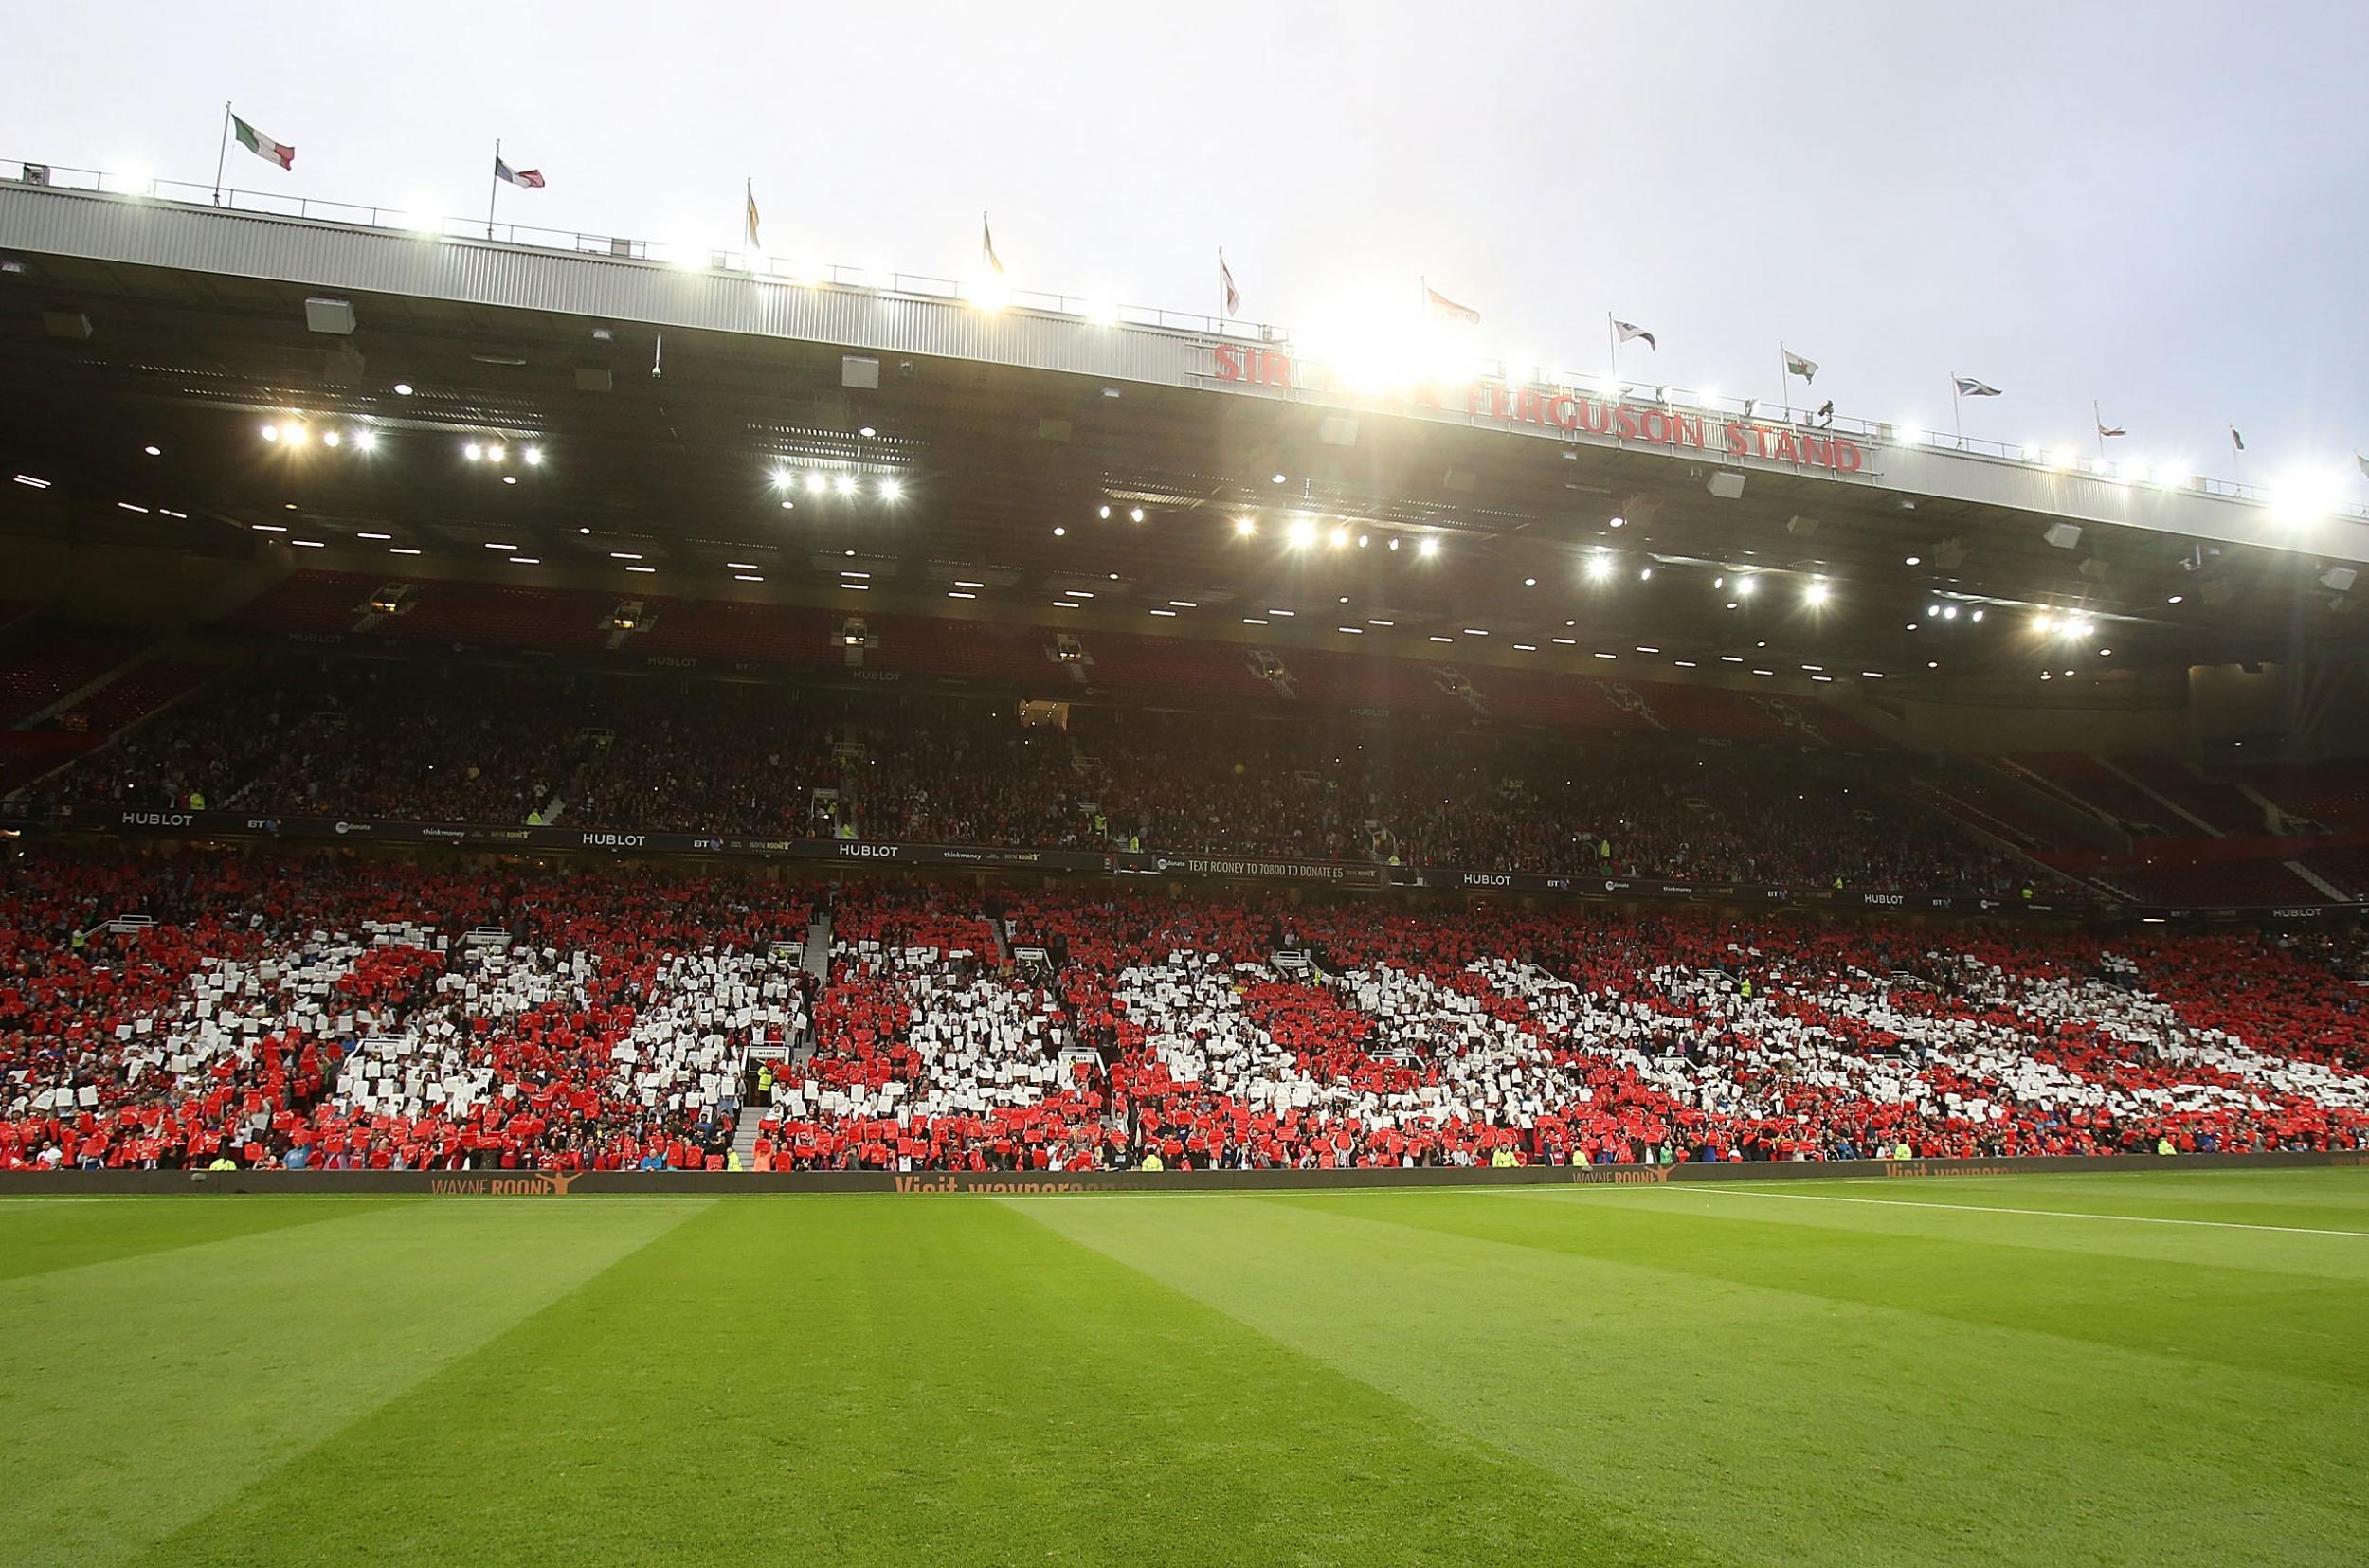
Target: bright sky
{"x":2157,"y":204}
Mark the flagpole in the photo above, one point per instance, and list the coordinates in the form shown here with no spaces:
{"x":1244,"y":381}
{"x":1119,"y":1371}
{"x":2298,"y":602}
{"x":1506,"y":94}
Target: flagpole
{"x":1958,"y":410}
{"x":1784,"y":379}
{"x":1222,"y":286}
{"x":222,"y":150}
{"x":493,"y":187}
{"x":2097,"y":417}
{"x":1612,"y":341}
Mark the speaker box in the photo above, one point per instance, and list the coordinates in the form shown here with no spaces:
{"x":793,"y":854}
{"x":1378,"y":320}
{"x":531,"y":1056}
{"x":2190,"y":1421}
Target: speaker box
{"x":330,"y":316}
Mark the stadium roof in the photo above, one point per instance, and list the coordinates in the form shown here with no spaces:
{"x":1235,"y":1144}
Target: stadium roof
{"x":950,"y":449}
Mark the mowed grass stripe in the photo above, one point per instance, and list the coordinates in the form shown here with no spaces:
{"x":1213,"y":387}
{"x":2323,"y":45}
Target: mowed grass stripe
{"x":143,"y":1390}
{"x":2334,"y":1200}
{"x":1775,"y":1424}
{"x":1916,"y":1211}
{"x":938,"y":1380}
{"x":2276,"y":1324}
{"x":2048,"y":1214}
{"x":43,"y":1236}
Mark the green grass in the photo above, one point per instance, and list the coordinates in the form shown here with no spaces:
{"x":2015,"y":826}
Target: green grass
{"x":1666,"y":1375}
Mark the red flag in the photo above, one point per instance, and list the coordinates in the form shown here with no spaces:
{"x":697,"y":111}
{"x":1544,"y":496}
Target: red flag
{"x":1442,"y":305}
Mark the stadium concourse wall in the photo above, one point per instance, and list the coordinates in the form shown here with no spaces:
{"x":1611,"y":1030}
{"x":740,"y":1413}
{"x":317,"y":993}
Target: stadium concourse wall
{"x":924,"y":1184}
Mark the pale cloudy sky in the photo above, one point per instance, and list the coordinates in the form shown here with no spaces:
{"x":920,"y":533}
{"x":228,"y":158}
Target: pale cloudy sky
{"x":2154,"y":202}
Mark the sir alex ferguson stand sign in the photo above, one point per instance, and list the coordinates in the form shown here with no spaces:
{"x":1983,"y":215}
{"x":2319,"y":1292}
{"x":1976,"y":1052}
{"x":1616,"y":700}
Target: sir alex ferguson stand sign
{"x":1561,"y":412}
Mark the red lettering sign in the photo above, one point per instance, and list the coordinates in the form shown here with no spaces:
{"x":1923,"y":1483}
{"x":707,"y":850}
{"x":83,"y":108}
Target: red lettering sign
{"x":1626,"y":421}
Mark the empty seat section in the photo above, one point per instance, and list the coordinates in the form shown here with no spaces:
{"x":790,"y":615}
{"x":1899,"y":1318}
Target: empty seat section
{"x":2236,"y":882}
{"x":976,"y":650}
{"x":1993,"y":809}
{"x":792,"y":635}
{"x":556,"y":620}
{"x":2089,"y":783}
{"x":139,"y":692}
{"x":2217,"y":805}
{"x":2335,"y":791}
{"x":1351,"y":680}
{"x":1570,"y":702}
{"x":35,"y":677}
{"x":310,"y":601}
{"x":1126,"y":662}
{"x":2344,"y":869}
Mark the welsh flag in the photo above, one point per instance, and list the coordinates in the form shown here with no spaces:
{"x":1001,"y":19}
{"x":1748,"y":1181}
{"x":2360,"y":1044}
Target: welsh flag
{"x":262,"y":146}
{"x":1796,"y":365}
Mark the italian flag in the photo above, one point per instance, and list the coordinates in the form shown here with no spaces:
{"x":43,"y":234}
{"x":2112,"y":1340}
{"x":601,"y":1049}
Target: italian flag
{"x":262,"y":146}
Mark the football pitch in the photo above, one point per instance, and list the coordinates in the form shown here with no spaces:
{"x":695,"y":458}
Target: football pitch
{"x":2093,"y":1369}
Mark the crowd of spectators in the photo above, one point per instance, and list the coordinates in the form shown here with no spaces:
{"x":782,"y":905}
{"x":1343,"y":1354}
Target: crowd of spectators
{"x":354,"y":738}
{"x":259,"y":1009}
{"x":183,"y":1010}
{"x":468,"y":743}
{"x":1493,"y":1037}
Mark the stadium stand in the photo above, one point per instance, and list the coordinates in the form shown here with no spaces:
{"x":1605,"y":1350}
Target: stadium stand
{"x":27,"y":754}
{"x":1169,"y":666}
{"x":174,"y":1009}
{"x":1324,"y":679}
{"x":1989,"y":808}
{"x":137,"y":693}
{"x":2231,"y":882}
{"x":2333,"y":793}
{"x":2089,"y":783}
{"x":2346,"y":867}
{"x":476,"y":743}
{"x":430,"y":743}
{"x":38,"y":676}
{"x":2218,"y":806}
{"x":552,"y":620}
{"x":966,"y":649}
{"x":730,"y":632}
{"x":577,"y":620}
{"x":308,"y":603}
